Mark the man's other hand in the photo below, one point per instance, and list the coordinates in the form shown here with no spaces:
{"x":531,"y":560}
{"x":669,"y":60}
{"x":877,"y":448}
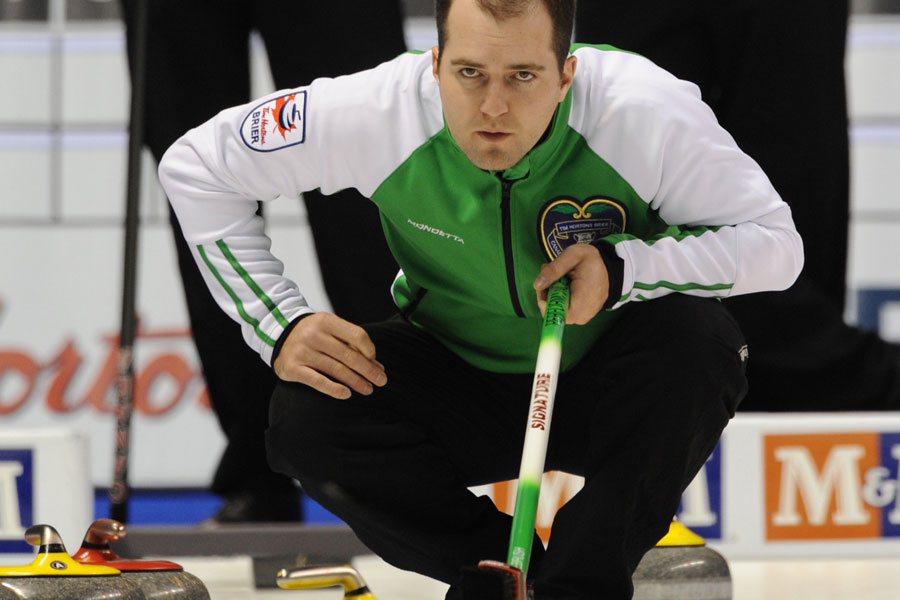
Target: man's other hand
{"x":330,"y":355}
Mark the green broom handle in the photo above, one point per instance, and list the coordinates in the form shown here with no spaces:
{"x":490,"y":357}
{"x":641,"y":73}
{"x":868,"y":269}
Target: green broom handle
{"x":537,"y":432}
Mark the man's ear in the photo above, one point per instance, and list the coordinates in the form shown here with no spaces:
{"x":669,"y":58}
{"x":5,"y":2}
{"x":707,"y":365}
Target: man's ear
{"x":567,"y":76}
{"x":435,"y":55}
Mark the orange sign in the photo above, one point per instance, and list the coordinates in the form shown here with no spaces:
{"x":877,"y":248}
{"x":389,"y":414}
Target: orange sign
{"x":815,"y":486}
{"x":556,"y":489}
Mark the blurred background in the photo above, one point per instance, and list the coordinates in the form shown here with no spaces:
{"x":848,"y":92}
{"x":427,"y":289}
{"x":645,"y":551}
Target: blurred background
{"x":63,"y":135}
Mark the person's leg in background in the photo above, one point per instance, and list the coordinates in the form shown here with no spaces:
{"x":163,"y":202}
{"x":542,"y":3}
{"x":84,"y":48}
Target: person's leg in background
{"x":325,"y":39}
{"x":784,"y":101}
{"x":773,"y":74}
{"x":188,"y":83}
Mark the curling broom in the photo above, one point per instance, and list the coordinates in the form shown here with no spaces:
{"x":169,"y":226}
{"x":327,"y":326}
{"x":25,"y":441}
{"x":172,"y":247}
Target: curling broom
{"x":496,"y":579}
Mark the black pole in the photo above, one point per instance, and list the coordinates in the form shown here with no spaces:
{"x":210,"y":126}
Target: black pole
{"x":119,"y":492}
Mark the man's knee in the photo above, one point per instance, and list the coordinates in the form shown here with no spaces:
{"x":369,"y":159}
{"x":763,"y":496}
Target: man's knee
{"x":705,"y":345}
{"x":302,"y":433}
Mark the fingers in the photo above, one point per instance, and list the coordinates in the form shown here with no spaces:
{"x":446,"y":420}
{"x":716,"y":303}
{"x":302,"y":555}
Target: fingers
{"x":589,"y":282}
{"x":319,"y":382}
{"x":347,"y":364}
{"x":552,"y":271}
{"x":330,"y":355}
{"x":354,"y":335}
{"x":549,"y":273}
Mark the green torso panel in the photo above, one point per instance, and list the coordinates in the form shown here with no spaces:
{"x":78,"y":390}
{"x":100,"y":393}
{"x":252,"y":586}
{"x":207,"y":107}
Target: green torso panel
{"x":450,"y":223}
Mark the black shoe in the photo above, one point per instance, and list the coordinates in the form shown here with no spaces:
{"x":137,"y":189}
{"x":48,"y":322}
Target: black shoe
{"x":260,"y":507}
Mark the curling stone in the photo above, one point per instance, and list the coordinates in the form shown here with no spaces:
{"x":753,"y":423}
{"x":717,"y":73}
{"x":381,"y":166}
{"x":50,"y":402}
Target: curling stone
{"x":54,"y":575}
{"x":157,"y":579}
{"x":682,"y":567}
{"x":308,"y":578}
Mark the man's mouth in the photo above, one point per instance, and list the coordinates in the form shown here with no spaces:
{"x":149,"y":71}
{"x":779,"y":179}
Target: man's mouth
{"x":493,"y":136}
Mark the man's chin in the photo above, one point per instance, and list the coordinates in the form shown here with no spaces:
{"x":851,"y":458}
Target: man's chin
{"x":492,"y":161}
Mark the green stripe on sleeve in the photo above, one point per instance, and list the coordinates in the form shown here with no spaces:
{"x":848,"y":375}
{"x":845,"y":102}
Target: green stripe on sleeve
{"x":666,"y":284}
{"x":226,"y":251}
{"x":237,"y":301}
{"x":681,"y":287}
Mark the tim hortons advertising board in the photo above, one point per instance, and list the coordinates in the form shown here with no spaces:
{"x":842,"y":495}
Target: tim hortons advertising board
{"x":59,"y":323}
{"x":60,"y":313}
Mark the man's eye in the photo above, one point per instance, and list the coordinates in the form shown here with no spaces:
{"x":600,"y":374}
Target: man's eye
{"x":524,"y":76}
{"x":468,"y":72}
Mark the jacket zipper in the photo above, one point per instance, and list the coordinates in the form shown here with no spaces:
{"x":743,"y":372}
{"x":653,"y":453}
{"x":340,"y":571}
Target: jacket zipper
{"x":506,"y":186}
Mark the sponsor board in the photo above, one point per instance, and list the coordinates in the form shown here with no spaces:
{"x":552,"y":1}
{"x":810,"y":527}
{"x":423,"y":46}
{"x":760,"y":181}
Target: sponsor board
{"x":162,"y":381}
{"x":836,"y":486}
{"x":701,"y":503}
{"x":59,"y":318}
{"x":59,"y":350}
{"x":16,"y":499}
{"x":557,"y":488}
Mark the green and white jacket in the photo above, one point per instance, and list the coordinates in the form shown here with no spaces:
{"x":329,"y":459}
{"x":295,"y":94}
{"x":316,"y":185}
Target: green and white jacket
{"x":633,"y":157}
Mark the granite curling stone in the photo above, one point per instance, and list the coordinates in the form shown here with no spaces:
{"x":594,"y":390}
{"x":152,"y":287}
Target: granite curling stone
{"x":157,"y":579}
{"x":54,"y":575}
{"x":682,"y":567}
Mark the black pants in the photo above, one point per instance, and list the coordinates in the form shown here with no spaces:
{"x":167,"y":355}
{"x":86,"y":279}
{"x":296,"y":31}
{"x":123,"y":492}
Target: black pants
{"x":197,"y":64}
{"x":773,"y":72}
{"x":637,"y":417}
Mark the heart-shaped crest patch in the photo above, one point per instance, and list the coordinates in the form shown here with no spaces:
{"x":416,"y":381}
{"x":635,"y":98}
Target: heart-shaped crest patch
{"x":565,"y":221}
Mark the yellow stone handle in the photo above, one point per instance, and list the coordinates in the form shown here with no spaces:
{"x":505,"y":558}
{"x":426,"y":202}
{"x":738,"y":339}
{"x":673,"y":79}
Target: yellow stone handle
{"x":679,"y":535}
{"x":308,"y":578}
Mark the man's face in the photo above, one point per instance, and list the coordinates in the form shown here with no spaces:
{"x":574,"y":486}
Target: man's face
{"x":499,"y":82}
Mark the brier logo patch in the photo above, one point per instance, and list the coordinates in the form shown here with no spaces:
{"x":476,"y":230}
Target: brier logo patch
{"x":276,"y":123}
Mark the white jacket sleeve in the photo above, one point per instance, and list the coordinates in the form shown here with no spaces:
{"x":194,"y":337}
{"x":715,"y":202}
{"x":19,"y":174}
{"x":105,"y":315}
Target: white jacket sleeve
{"x":731,"y":232}
{"x":329,"y":135}
{"x":213,"y":186}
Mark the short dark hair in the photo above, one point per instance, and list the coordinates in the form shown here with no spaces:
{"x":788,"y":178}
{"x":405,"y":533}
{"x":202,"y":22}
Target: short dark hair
{"x":562,"y":14}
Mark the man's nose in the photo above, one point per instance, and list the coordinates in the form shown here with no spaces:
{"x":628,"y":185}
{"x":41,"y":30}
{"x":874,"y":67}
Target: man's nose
{"x":494,"y":103}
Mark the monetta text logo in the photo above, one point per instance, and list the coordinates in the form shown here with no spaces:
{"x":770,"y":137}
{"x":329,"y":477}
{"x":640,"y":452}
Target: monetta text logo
{"x":832,"y":486}
{"x":276,"y":123}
